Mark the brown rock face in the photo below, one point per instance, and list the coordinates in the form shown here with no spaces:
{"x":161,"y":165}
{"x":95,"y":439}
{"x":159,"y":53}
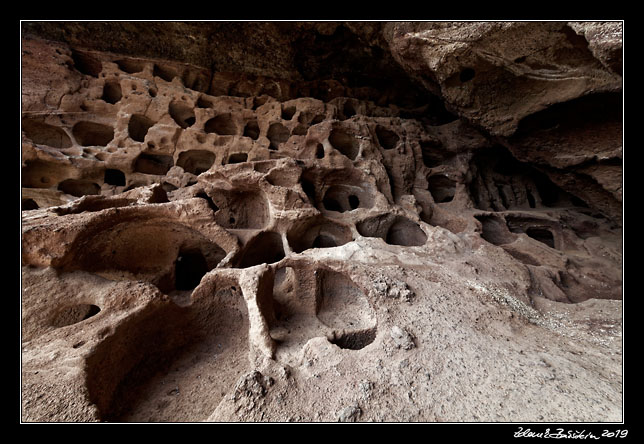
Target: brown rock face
{"x":321,"y":222}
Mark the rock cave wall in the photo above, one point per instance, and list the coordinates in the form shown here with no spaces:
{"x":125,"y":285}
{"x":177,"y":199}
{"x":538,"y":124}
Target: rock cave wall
{"x":289,"y":221}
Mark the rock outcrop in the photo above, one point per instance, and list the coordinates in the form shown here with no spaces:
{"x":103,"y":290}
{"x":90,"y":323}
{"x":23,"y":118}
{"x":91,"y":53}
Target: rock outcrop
{"x":321,"y":221}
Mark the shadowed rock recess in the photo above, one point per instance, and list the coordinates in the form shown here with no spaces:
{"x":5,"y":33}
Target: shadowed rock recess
{"x":321,"y":222}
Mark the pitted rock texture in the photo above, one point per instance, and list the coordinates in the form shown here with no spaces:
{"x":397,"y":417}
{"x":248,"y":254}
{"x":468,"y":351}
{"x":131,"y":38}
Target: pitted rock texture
{"x":388,"y":222}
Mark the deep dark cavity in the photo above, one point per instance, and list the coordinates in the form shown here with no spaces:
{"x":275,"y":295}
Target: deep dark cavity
{"x":583,"y":112}
{"x":112,"y":92}
{"x":165,"y":72}
{"x":344,"y":197}
{"x":345,"y":58}
{"x":387,"y":138}
{"x":131,"y":66}
{"x":495,"y":230}
{"x":265,"y":248}
{"x":92,"y":134}
{"x":86,"y":64}
{"x":502,"y":183}
{"x":318,"y":233}
{"x":182,"y":113}
{"x":251,"y":129}
{"x":204,"y":102}
{"x":348,"y":110}
{"x":277,"y":134}
{"x":29,"y":204}
{"x":190,"y":267}
{"x":157,"y":164}
{"x":196,"y":161}
{"x":288,"y":112}
{"x":442,"y":188}
{"x":355,"y":340}
{"x":237,"y":158}
{"x":543,"y":235}
{"x":344,"y":142}
{"x":79,"y":187}
{"x":406,"y":233}
{"x":138,"y":127}
{"x":222,"y":125}
{"x":466,"y":75}
{"x":433,"y":153}
{"x":114,"y":177}
{"x":44,"y":134}
{"x":319,"y":151}
{"x":394,"y":230}
{"x":309,"y":189}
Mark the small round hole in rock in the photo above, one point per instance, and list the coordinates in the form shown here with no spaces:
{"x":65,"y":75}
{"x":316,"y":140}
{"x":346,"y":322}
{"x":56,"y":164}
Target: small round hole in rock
{"x":112,"y":92}
{"x":114,"y":177}
{"x":355,"y":340}
{"x":354,"y":202}
{"x":75,"y":314}
{"x":319,"y":151}
{"x":251,"y":129}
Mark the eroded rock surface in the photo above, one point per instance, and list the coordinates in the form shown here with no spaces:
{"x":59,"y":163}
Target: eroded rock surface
{"x":388,"y":222}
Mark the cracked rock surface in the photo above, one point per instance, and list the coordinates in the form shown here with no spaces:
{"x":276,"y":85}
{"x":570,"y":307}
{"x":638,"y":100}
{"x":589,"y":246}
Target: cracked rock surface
{"x":321,"y":222}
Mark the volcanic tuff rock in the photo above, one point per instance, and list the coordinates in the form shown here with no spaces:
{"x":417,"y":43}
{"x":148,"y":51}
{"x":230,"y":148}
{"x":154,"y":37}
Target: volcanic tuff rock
{"x":321,"y":221}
